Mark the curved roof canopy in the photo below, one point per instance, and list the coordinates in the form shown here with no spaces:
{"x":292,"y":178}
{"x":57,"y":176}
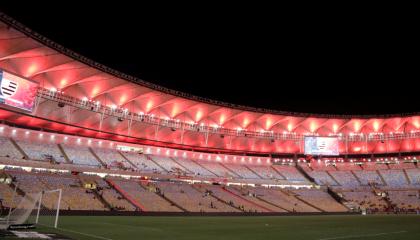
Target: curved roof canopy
{"x":26,"y":53}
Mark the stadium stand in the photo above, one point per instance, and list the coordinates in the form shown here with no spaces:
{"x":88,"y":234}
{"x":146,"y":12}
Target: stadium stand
{"x":7,"y":149}
{"x":41,"y":151}
{"x":366,"y":200}
{"x":112,"y":158}
{"x":367,"y":177}
{"x":142,"y":162}
{"x":320,"y":199}
{"x":394,"y":178}
{"x":147,"y":195}
{"x":80,"y":155}
{"x":192,"y":199}
{"x":290,"y":172}
{"x":345,"y":178}
{"x":193,"y":167}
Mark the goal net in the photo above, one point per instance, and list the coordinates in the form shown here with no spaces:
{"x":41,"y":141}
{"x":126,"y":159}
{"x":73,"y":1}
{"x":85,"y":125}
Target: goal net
{"x":35,"y":208}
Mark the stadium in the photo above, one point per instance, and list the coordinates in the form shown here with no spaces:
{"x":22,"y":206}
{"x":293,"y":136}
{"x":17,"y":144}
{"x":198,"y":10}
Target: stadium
{"x":88,"y":152}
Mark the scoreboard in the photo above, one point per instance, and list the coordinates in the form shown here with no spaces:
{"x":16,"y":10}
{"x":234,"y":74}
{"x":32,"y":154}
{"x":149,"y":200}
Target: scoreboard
{"x":17,"y":92}
{"x":321,"y":146}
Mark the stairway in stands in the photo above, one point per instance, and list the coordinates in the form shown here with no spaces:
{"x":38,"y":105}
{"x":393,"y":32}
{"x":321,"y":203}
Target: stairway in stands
{"x":173,"y":203}
{"x":66,"y":158}
{"x":155,"y":162}
{"x":382,"y":178}
{"x":199,"y":164}
{"x":278,"y":172}
{"x":86,"y":180}
{"x":333,"y":178}
{"x":19,"y":148}
{"x":357,"y":178}
{"x":254,"y":172}
{"x":97,"y":157}
{"x":182,"y":166}
{"x":407,"y":178}
{"x":128,"y":160}
{"x":126,"y":195}
{"x":217,"y":198}
{"x":231,"y":171}
{"x":246,"y":200}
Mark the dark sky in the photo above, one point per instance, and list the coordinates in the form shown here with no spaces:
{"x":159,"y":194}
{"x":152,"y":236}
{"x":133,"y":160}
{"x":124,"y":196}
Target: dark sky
{"x":270,"y":58}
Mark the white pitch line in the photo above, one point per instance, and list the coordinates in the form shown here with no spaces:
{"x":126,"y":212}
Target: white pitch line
{"x":364,"y":235}
{"x":85,"y":234}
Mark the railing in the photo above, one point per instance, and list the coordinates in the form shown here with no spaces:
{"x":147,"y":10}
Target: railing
{"x":176,"y":124}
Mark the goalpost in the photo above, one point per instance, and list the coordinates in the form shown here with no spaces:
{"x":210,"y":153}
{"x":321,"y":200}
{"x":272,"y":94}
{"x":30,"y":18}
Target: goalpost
{"x":41,"y":208}
{"x":48,"y":209}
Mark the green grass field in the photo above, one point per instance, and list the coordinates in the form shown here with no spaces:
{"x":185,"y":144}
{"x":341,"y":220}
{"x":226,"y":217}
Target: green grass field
{"x":382,"y":227}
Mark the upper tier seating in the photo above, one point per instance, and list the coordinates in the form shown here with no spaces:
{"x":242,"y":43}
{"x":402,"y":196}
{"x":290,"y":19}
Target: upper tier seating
{"x":112,"y":158}
{"x":142,"y":162}
{"x":167,"y":163}
{"x":242,"y":171}
{"x":321,"y":166}
{"x":394,"y":178}
{"x":7,"y":149}
{"x":402,"y":166}
{"x":193,"y":167}
{"x":41,"y":151}
{"x":414,"y":175}
{"x":266,"y":172}
{"x":345,"y":178}
{"x":322,"y":178}
{"x":290,"y":172}
{"x":373,"y":166}
{"x":216,"y":168}
{"x":347,"y":166}
{"x":80,"y":155}
{"x":367,"y":177}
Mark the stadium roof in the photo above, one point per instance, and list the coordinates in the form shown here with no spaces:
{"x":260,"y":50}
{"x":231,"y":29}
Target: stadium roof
{"x":54,"y":67}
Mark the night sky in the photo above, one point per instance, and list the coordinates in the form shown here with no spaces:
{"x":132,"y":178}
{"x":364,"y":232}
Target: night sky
{"x":262,"y":58}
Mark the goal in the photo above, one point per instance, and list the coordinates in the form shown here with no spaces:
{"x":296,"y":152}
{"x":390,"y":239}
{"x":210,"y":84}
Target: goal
{"x":35,"y":208}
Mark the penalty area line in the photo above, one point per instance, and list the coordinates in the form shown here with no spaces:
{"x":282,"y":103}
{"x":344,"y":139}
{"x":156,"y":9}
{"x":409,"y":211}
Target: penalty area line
{"x":363,"y":235}
{"x":84,"y":234}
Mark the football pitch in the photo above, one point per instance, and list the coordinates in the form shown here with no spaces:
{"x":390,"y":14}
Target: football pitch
{"x":372,"y":227}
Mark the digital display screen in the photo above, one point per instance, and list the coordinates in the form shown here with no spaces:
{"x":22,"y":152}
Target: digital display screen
{"x":321,"y":146}
{"x":17,"y":92}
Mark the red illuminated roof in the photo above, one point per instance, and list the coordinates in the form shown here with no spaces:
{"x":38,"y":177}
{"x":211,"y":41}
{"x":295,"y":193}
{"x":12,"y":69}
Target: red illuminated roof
{"x":29,"y":54}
